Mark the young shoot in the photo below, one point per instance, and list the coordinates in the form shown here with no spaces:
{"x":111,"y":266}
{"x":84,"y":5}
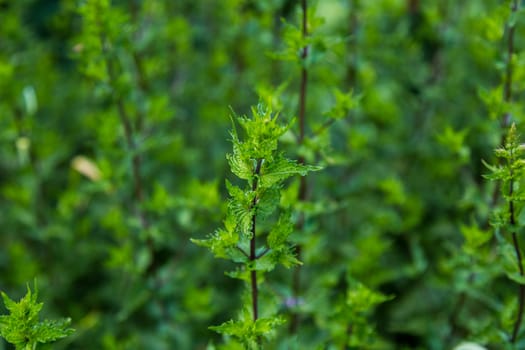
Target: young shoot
{"x":255,"y":235}
{"x":22,"y":327}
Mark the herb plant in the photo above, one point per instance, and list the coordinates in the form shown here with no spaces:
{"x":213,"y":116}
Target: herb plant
{"x":254,"y":235}
{"x":22,"y":326}
{"x":508,"y":219}
{"x":111,"y":158}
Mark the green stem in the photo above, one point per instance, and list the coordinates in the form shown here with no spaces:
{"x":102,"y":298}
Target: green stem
{"x":253,"y":247}
{"x":129,"y":135}
{"x":515,"y":242}
{"x":128,"y":128}
{"x":296,"y":281}
{"x":521,"y":293}
{"x":507,"y":88}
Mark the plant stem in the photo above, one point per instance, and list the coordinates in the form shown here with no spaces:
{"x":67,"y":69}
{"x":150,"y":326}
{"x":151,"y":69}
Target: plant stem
{"x":304,"y":80}
{"x":253,"y":247}
{"x":515,"y":242}
{"x":125,"y":119}
{"x":129,"y":135}
{"x":304,"y":76}
{"x":521,"y":295}
{"x":505,"y":122}
{"x":142,"y":83}
{"x":351,"y":73}
{"x":296,"y":281}
{"x":507,"y":88}
{"x":138,"y":192}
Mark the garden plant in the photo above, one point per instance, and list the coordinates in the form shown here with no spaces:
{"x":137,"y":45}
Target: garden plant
{"x":278,"y":174}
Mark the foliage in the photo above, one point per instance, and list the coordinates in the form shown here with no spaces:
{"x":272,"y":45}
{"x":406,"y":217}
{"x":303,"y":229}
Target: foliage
{"x":505,"y":219}
{"x":22,"y":326}
{"x":113,"y":130}
{"x":256,"y":159}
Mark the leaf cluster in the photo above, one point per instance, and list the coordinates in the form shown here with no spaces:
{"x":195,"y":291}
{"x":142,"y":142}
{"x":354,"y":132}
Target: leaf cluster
{"x":256,"y":160}
{"x":404,"y":166}
{"x":248,"y":331}
{"x":509,"y":171}
{"x":22,"y":326}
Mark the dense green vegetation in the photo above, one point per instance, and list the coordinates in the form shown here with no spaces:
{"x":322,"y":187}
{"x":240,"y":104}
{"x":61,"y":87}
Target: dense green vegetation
{"x":132,"y":133}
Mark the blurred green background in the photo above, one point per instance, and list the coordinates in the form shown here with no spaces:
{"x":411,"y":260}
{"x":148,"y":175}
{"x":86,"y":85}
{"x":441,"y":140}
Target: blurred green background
{"x":113,"y":134}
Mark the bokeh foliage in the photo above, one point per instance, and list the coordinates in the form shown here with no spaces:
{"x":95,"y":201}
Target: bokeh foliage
{"x":113,"y":135}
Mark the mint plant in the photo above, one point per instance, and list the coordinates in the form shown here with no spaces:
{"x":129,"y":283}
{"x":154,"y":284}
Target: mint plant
{"x":22,"y":327}
{"x":304,"y":47}
{"x":401,"y":206}
{"x":254,"y":235}
{"x":508,"y":219}
{"x":508,"y":77}
{"x":477,"y":266}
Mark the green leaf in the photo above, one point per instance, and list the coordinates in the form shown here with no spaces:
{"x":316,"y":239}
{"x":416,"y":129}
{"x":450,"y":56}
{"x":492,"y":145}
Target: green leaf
{"x":240,"y":206}
{"x":220,"y":243}
{"x":362,"y":299}
{"x":239,"y":273}
{"x":474,"y":237}
{"x":265,"y":263}
{"x":280,"y":231}
{"x":49,"y":331}
{"x":497,"y":172}
{"x":248,"y":330}
{"x":269,"y":199}
{"x":508,"y":260}
{"x":344,"y":103}
{"x":294,"y":42}
{"x":284,"y":255}
{"x":240,"y":165}
{"x":281,"y":168}
{"x":22,"y":327}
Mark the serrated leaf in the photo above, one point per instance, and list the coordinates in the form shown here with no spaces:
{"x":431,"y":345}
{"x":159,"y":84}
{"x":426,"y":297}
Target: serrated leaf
{"x":239,"y":273}
{"x":265,"y":263}
{"x":22,"y":327}
{"x":268,"y":202}
{"x":247,"y":329}
{"x":230,"y":327}
{"x":240,"y":208}
{"x":284,"y":256}
{"x":281,"y":169}
{"x":266,"y":325}
{"x":219,"y":243}
{"x":497,"y":172}
{"x":241,"y":166}
{"x":49,"y":331}
{"x":262,"y":133}
{"x":280,"y":231}
{"x":243,"y":216}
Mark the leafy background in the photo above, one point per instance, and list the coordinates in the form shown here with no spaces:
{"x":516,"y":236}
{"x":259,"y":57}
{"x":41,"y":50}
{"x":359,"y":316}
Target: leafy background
{"x":401,"y":205}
